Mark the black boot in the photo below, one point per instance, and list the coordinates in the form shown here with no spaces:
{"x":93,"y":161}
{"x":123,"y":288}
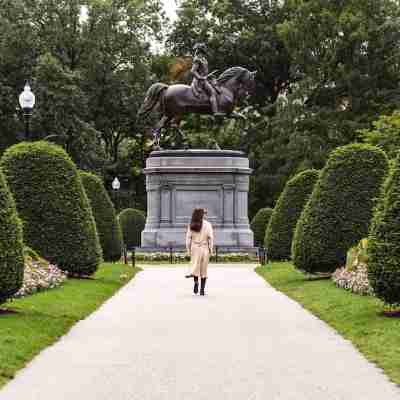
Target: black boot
{"x":203,"y":285}
{"x":196,"y":285}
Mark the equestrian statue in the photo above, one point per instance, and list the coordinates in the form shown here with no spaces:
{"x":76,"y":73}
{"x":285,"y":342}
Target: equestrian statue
{"x":206,"y":95}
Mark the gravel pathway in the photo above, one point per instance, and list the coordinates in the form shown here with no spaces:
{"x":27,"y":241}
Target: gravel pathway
{"x":154,"y":340}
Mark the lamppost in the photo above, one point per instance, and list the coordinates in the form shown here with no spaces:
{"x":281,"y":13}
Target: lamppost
{"x":116,"y":185}
{"x":27,"y":102}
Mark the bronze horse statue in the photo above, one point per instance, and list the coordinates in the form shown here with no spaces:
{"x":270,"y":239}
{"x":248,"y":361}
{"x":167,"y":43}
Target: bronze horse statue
{"x":176,"y":101}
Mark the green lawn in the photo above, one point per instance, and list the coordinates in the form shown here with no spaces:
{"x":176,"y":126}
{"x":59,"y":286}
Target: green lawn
{"x":357,"y":318}
{"x":42,"y":318}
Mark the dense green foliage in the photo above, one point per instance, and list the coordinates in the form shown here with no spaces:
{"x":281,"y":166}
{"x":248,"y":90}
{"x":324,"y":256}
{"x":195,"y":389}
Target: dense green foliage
{"x":89,"y":67}
{"x":237,"y":33}
{"x":325,"y":70}
{"x":280,"y":230}
{"x":42,"y":319}
{"x":107,"y":224}
{"x":384,"y":241}
{"x":259,"y":224}
{"x":385,"y":134}
{"x":357,"y":318}
{"x":11,"y":246}
{"x":338,"y":213}
{"x":58,"y":221}
{"x":132,"y":223}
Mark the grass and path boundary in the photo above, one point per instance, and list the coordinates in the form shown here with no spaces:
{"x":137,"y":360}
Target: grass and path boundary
{"x":35,"y":322}
{"x":30,"y":324}
{"x":357,"y":318}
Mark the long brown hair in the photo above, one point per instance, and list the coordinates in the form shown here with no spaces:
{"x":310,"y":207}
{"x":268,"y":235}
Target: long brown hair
{"x":197,"y":220}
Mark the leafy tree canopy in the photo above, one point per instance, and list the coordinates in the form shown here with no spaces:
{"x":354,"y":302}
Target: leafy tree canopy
{"x":385,"y":133}
{"x":326,"y":70}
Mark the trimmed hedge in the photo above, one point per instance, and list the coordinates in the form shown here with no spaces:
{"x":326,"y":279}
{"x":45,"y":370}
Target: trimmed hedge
{"x":11,"y":246}
{"x":280,"y":230}
{"x":384,"y":241}
{"x":107,"y":224}
{"x":51,"y":201}
{"x":339,"y":211}
{"x":132,"y":223}
{"x":259,"y":224}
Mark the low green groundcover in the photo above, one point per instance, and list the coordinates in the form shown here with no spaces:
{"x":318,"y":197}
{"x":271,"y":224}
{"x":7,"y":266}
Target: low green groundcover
{"x":357,"y":318}
{"x":35,"y":322}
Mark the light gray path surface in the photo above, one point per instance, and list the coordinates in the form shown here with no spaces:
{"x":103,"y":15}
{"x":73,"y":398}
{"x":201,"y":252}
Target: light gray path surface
{"x":244,"y":341}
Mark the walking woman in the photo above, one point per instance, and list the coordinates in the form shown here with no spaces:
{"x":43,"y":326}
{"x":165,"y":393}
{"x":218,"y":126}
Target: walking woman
{"x":199,"y":245}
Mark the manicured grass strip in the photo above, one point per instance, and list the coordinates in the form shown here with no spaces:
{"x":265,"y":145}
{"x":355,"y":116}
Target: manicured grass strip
{"x":39,"y":320}
{"x":357,"y":318}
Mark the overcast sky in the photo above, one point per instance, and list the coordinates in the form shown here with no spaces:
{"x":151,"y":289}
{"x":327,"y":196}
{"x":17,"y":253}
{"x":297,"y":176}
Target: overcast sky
{"x":170,"y":8}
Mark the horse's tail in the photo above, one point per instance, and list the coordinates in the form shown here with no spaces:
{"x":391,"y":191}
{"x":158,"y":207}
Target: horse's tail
{"x":153,"y":96}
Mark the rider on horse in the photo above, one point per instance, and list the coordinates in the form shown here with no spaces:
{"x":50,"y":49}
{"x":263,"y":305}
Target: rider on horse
{"x":220,"y":96}
{"x":201,"y":81}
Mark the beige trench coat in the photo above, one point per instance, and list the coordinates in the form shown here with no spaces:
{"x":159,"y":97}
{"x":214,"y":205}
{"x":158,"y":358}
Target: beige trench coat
{"x":199,"y":245}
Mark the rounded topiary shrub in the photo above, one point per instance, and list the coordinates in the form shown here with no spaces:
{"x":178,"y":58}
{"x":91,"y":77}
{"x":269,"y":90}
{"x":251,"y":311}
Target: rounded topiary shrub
{"x":107,"y":224}
{"x":281,"y":226}
{"x":339,"y":211}
{"x":259,"y":224}
{"x":57,"y":219}
{"x":11,"y":246}
{"x":384,"y":242}
{"x":132,"y":223}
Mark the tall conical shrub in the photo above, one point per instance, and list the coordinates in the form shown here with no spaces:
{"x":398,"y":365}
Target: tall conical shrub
{"x":259,"y":224}
{"x":11,"y":246}
{"x":384,"y":241}
{"x":132,"y":223}
{"x":51,"y":201}
{"x":339,"y":211}
{"x":281,"y":226}
{"x":107,"y":224}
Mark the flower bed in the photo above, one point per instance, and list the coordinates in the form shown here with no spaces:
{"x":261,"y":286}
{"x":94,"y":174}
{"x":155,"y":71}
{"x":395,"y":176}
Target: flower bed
{"x":39,"y":275}
{"x":183,"y":257}
{"x":355,"y":280}
{"x":354,"y":276}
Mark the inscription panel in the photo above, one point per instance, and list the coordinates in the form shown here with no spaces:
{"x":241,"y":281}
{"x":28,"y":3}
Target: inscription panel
{"x":186,"y":199}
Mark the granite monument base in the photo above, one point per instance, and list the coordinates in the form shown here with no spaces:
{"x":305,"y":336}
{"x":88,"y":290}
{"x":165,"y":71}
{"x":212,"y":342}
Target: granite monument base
{"x":177,"y":181}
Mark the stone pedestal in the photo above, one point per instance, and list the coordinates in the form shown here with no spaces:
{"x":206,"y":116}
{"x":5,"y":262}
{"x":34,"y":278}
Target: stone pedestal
{"x":178,"y":181}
